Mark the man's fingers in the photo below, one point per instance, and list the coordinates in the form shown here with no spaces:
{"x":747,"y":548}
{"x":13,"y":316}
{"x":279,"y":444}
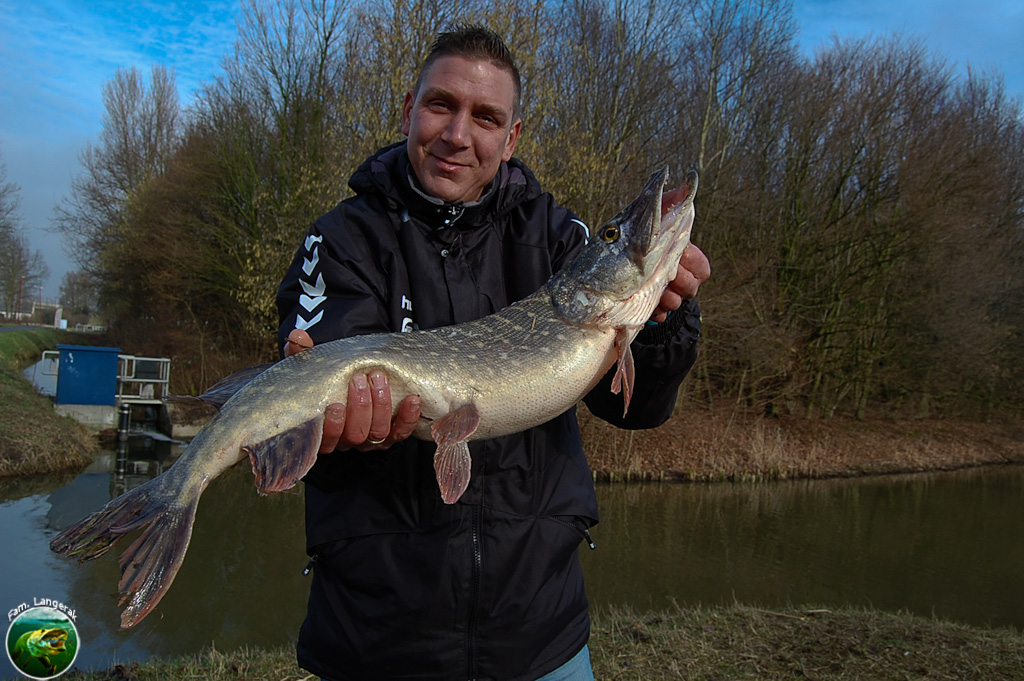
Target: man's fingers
{"x":365,"y":423}
{"x":694,"y":260}
{"x":297,"y":340}
{"x":670,"y":300}
{"x":380,"y":421}
{"x":406,"y":419}
{"x":334,"y":425}
{"x":360,"y":412}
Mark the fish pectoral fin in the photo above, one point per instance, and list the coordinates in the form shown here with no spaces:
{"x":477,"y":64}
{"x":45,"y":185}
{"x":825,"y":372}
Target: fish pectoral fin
{"x":281,"y":461}
{"x":625,"y":371}
{"x":451,"y":460}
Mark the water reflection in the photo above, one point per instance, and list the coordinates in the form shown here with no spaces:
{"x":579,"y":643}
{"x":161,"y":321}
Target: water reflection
{"x":240,"y":585}
{"x":945,"y":544}
{"x":949,"y":545}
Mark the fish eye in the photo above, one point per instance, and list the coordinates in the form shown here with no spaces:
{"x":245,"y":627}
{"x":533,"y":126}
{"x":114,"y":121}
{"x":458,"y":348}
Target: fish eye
{"x":610,"y":233}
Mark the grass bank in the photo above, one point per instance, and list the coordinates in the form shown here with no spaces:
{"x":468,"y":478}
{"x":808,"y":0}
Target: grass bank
{"x":33,"y":438}
{"x":725,"y":643}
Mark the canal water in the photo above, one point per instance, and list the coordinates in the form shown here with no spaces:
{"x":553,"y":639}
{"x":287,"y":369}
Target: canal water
{"x":949,"y":545}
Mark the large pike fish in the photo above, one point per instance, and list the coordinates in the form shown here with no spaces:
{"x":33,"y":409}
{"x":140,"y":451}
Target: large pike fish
{"x":501,"y":374}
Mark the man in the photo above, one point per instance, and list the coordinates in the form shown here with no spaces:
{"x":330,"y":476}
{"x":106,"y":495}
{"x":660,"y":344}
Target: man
{"x":445,"y":228}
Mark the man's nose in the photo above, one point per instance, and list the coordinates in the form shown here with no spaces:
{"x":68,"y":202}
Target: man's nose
{"x":456,"y":133}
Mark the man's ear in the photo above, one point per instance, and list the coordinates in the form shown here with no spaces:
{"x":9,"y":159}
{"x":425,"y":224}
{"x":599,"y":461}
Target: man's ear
{"x":410,"y":99}
{"x":513,"y":137}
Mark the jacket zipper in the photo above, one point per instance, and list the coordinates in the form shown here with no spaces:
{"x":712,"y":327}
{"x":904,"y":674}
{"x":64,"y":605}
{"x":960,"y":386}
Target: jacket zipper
{"x":582,"y":530}
{"x":317,"y":555}
{"x":474,"y":601}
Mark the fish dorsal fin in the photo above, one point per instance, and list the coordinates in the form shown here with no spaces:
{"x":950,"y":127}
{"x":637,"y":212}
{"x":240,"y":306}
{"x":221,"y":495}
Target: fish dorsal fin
{"x":280,"y":461}
{"x":224,"y":389}
{"x":624,"y":372}
{"x":451,"y":460}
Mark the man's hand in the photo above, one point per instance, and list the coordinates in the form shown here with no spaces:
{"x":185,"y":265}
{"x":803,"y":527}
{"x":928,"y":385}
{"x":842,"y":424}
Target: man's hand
{"x":366,"y":423}
{"x":694,"y":270}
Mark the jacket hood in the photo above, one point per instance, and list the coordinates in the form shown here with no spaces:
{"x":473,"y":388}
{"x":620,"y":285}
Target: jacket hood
{"x":389,"y":172}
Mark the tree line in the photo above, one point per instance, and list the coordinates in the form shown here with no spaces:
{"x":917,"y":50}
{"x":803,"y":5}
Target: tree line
{"x":22,"y":270}
{"x":862,"y":208}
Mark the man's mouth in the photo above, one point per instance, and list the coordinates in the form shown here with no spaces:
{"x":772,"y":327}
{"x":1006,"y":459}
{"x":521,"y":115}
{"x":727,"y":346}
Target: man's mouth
{"x":448,"y":166}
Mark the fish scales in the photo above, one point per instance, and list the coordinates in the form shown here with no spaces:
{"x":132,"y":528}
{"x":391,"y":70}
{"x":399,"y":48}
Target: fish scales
{"x":497,"y":375}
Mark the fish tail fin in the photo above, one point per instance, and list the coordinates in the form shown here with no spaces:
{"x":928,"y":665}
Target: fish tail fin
{"x":149,"y":564}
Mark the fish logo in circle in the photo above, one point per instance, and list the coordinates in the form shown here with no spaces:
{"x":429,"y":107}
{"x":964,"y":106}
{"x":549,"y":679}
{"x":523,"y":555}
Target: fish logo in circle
{"x":42,"y":643}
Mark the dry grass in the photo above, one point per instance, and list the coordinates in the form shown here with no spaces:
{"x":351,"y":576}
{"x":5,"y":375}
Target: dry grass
{"x":742,"y":642}
{"x":724,"y":444}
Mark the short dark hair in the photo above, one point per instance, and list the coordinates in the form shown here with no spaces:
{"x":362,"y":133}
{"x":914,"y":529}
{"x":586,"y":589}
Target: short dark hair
{"x":474,"y":42}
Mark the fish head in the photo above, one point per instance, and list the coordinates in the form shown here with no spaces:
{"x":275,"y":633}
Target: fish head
{"x":619,"y":276}
{"x":47,"y":641}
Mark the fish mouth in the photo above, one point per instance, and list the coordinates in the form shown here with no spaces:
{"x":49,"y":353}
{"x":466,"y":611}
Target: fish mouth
{"x":658,"y":216}
{"x":675,"y":204}
{"x":644,"y":216}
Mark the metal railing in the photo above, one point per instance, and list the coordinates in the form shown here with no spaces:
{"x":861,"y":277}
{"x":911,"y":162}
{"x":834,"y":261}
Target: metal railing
{"x":142,"y":380}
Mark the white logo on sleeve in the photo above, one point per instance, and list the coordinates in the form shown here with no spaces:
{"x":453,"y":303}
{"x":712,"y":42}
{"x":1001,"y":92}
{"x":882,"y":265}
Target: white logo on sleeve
{"x":313,"y":293}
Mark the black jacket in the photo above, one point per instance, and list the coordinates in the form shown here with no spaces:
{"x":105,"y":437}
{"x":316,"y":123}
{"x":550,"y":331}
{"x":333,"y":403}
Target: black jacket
{"x":403,"y":585}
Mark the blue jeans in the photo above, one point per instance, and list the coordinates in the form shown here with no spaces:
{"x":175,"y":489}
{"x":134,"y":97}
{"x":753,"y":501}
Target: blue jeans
{"x":576,"y":669}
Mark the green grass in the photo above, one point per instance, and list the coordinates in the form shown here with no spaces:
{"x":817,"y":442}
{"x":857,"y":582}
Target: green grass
{"x":721,"y":644}
{"x":33,"y":438}
{"x":23,"y":348}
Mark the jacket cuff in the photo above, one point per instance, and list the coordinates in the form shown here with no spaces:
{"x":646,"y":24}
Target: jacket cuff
{"x":661,"y":333}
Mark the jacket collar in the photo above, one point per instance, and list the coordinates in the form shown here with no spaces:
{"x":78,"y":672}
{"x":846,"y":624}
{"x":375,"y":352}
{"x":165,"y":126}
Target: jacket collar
{"x":389,"y":172}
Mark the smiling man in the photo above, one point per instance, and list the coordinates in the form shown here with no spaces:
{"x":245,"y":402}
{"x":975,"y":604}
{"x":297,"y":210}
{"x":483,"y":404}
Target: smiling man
{"x":462,"y":123}
{"x":447,"y":227}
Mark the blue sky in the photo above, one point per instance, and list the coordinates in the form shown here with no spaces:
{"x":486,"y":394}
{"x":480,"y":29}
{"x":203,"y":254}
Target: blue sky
{"x":55,"y":56}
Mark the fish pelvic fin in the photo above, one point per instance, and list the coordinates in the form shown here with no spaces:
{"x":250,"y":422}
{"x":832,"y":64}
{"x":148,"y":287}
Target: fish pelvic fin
{"x":625,"y":372}
{"x":452,"y":463}
{"x":281,"y":461}
{"x":148,"y":566}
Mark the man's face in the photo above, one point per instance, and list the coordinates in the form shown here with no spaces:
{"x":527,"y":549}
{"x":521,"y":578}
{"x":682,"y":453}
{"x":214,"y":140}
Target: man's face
{"x":460,"y":127}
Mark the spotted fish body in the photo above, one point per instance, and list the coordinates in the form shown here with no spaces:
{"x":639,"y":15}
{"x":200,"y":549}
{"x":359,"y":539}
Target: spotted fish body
{"x":501,"y":374}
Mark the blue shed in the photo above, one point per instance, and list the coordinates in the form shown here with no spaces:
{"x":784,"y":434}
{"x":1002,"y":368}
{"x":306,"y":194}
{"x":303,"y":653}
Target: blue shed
{"x":87,"y":375}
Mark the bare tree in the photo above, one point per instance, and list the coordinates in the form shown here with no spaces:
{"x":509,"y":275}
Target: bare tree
{"x":140,"y":126}
{"x":599,"y":106}
{"x":78,"y":296}
{"x":9,"y":203}
{"x":837,"y":193}
{"x":22,"y":271}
